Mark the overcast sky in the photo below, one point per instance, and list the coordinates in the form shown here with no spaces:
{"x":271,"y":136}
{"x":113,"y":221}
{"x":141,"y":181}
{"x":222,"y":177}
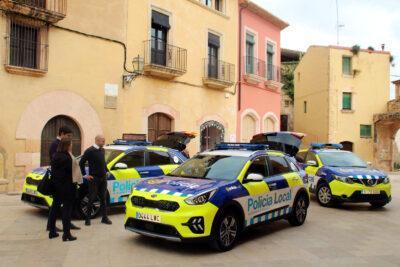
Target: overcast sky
{"x":366,"y":22}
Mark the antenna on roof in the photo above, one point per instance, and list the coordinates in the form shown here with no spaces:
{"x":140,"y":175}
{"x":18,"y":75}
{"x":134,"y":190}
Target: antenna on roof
{"x":338,"y":26}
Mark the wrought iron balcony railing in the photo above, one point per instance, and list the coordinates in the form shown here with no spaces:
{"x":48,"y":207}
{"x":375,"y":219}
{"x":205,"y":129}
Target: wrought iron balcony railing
{"x":254,"y":66}
{"x":46,"y":10}
{"x":219,"y":70}
{"x":160,"y":54}
{"x":273,"y":73}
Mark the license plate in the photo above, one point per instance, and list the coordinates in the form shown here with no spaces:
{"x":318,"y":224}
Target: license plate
{"x":31,"y":192}
{"x":148,"y":217}
{"x":370,"y":192}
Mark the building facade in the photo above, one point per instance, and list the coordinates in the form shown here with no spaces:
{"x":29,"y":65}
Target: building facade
{"x":70,"y":63}
{"x":259,"y":90}
{"x":337,"y":92}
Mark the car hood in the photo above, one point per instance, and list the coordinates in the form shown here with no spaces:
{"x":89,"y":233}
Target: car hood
{"x":357,"y":172}
{"x":178,"y":186}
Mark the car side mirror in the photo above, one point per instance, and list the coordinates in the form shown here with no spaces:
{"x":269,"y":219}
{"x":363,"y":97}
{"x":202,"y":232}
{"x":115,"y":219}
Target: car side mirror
{"x":312,"y":163}
{"x":369,"y":164}
{"x":254,"y":177}
{"x":120,"y":166}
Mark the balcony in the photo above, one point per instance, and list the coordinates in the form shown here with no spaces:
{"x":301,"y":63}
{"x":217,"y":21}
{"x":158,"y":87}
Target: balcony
{"x":254,"y":70}
{"x":163,"y":60}
{"x":218,"y":74}
{"x":273,"y":77}
{"x":50,"y":11}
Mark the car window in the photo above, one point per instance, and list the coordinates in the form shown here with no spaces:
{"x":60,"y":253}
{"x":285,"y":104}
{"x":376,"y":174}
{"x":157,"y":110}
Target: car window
{"x":311,"y":156}
{"x":341,"y":159}
{"x":110,"y":154}
{"x":293,"y":164}
{"x":258,"y":166}
{"x":158,"y":158}
{"x":301,"y":156}
{"x":133,"y":159}
{"x":279,"y":165}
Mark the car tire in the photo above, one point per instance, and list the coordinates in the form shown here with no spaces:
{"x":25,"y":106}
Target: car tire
{"x":81,"y":210}
{"x":299,"y":212}
{"x":324,"y":195}
{"x":226,"y":232}
{"x":378,"y":204}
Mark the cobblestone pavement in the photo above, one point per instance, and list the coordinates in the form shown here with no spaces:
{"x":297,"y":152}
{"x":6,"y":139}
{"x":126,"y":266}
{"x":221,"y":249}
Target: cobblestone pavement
{"x":350,"y":235}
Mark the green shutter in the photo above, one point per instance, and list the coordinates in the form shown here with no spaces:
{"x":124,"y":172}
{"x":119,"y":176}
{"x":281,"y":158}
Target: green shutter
{"x":365,"y":130}
{"x":250,"y":38}
{"x":346,"y":65}
{"x":346,"y":101}
{"x":270,"y":48}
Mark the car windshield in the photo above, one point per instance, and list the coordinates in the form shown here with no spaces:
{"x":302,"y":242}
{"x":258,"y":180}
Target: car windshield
{"x":341,"y":159}
{"x":111,"y":154}
{"x":214,"y":167}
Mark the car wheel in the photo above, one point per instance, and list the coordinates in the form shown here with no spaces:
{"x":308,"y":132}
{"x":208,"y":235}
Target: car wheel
{"x":299,"y":212}
{"x":324,"y":195}
{"x":82,"y":207}
{"x":226,"y":232}
{"x":378,"y":204}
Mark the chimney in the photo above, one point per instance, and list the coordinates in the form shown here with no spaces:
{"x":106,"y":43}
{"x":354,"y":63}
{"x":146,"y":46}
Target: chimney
{"x":383,"y":47}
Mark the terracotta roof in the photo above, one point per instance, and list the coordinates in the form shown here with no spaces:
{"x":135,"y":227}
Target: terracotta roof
{"x":264,"y":13}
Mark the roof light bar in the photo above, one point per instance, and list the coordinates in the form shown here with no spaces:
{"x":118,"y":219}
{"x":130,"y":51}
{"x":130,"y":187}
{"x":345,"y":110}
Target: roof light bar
{"x":130,"y":142}
{"x":327,"y":145}
{"x":241,"y":146}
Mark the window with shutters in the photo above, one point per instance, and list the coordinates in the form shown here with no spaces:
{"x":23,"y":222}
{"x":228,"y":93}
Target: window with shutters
{"x":250,"y":43}
{"x":346,"y":65}
{"x":365,"y":131}
{"x":346,"y":101}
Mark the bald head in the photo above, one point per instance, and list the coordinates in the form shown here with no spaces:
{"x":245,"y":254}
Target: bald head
{"x":100,"y":140}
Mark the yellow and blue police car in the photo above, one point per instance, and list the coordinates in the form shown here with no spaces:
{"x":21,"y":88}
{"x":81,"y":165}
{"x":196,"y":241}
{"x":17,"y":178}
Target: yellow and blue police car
{"x":127,"y":161}
{"x":337,"y":176}
{"x":217,"y":194}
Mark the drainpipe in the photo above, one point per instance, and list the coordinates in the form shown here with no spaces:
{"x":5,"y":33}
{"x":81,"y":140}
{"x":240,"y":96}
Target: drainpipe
{"x":242,"y":7}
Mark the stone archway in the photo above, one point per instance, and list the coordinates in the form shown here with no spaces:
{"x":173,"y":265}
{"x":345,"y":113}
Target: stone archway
{"x":45,"y":107}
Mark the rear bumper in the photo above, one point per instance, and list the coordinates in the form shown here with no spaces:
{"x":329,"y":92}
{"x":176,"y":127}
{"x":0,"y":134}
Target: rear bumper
{"x":35,"y":201}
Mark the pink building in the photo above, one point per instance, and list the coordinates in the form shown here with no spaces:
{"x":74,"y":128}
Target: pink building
{"x":259,"y":91}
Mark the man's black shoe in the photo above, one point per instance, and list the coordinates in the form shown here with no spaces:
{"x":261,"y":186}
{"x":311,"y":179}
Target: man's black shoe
{"x":57,"y":229}
{"x":87,"y":222}
{"x":105,"y":220}
{"x":74,"y":227}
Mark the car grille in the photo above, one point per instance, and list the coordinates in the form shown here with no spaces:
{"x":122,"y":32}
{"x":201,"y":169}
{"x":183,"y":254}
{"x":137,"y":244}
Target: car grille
{"x":157,"y":228}
{"x":155,"y":204}
{"x":358,"y":197}
{"x":368,"y":182}
{"x":32,"y":181}
{"x":33,"y":200}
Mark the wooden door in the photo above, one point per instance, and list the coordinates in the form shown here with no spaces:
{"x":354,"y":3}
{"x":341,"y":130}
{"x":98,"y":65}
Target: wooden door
{"x":158,"y":124}
{"x":50,"y":132}
{"x":212,"y":133}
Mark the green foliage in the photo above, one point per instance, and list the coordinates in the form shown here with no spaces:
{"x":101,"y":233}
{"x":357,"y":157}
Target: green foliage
{"x":355,"y":49}
{"x":288,"y":80}
{"x":370,"y":48}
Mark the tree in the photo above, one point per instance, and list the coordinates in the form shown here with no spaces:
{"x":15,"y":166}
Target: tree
{"x":288,"y":79}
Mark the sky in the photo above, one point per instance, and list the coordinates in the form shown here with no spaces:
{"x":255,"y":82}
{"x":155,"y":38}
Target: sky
{"x":365,"y":22}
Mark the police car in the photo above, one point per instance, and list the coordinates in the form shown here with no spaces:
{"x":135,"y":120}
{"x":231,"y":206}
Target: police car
{"x":217,"y":194}
{"x":127,"y":161}
{"x":337,"y":176}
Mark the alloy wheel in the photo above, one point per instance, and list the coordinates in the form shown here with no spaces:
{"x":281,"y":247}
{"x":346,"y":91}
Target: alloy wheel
{"x":324,"y":195}
{"x":95,"y":207}
{"x":301,"y":210}
{"x":228,"y":230}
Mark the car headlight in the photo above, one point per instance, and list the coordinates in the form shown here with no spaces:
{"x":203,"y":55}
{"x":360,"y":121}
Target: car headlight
{"x":343,"y":179}
{"x":200,"y":198}
{"x":386,"y":180}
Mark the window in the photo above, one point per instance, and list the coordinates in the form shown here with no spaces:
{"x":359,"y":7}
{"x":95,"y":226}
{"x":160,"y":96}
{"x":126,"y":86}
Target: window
{"x":365,"y":131}
{"x":311,"y":156}
{"x":159,"y":30}
{"x":279,"y":165}
{"x":207,"y":2}
{"x":347,"y":145}
{"x":346,"y":65}
{"x":158,"y":158}
{"x":133,"y":159}
{"x":250,"y":41}
{"x":258,"y":166}
{"x":305,"y":106}
{"x":218,"y":5}
{"x":213,"y":55}
{"x":346,"y":101}
{"x":24,"y":41}
{"x":300,"y":157}
{"x":270,"y":61}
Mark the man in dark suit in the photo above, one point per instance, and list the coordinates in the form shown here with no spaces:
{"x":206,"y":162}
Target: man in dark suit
{"x":96,"y":176}
{"x":63,"y":132}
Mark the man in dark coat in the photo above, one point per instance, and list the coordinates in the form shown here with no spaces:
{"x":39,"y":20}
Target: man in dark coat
{"x":96,"y":176}
{"x":63,"y":132}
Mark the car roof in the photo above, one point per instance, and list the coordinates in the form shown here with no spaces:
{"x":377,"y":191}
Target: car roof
{"x":132,"y":148}
{"x":118,"y":147}
{"x":242,"y":153}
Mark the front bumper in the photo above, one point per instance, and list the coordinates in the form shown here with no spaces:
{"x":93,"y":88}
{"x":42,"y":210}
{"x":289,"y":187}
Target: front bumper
{"x":355,"y":192}
{"x":31,"y":196}
{"x":173,"y":225}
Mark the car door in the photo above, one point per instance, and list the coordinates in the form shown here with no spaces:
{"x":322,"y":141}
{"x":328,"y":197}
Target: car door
{"x":312,"y":170}
{"x":124,"y":178}
{"x":158,"y":163}
{"x":280,"y":183}
{"x":258,"y":165}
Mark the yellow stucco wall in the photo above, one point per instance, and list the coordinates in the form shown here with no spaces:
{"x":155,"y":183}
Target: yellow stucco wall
{"x":370,"y":89}
{"x":80,"y":66}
